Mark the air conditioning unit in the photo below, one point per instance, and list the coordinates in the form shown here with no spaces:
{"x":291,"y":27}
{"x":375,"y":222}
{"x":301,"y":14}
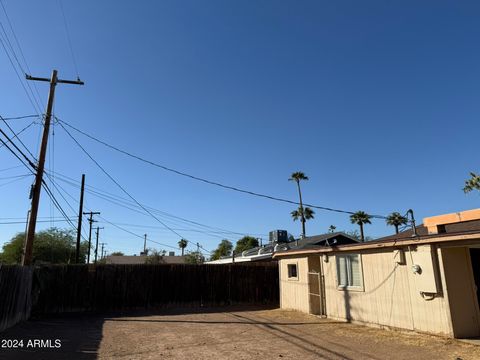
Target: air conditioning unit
{"x":278,"y":236}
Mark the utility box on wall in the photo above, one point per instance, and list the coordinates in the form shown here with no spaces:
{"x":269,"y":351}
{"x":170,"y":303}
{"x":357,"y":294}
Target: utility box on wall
{"x":424,"y":269}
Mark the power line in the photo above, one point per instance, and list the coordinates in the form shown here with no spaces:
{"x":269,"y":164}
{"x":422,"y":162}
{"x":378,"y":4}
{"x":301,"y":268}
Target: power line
{"x":20,"y":48}
{"x":116,"y":183}
{"x":19,"y":78}
{"x":24,"y":222}
{"x":124,"y":203}
{"x":20,"y":117}
{"x":57,"y":204}
{"x":16,"y":155}
{"x":110,"y":222}
{"x":67,"y":32}
{"x":209,"y":181}
{"x":16,"y":136}
{"x":20,"y":151}
{"x":15,"y":180}
{"x":21,"y":131}
{"x":10,"y":168}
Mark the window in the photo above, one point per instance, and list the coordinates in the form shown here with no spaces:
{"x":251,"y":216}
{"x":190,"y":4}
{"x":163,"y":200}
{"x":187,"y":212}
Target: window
{"x":292,"y":271}
{"x":349,"y":272}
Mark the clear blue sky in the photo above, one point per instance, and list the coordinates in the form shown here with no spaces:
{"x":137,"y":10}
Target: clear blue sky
{"x":376,"y":101}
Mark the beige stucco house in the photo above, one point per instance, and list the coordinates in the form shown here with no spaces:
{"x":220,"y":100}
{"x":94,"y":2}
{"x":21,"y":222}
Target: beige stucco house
{"x":425,"y":283}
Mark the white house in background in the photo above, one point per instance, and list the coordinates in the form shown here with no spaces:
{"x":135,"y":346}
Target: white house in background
{"x":266,"y":252}
{"x":140,"y":259}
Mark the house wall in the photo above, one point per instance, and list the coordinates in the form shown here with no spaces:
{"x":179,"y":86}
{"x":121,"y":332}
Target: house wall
{"x":391,"y":295}
{"x":440,"y":300}
{"x":460,"y":289}
{"x":294,"y":292}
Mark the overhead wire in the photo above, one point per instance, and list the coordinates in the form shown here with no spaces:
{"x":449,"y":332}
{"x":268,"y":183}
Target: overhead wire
{"x":21,"y":131}
{"x":118,"y":184}
{"x":17,"y":136}
{"x":15,"y":180}
{"x":122,"y":202}
{"x":20,"y":117}
{"x":181,"y":173}
{"x":20,"y":48}
{"x":67,"y":33}
{"x":36,"y":107}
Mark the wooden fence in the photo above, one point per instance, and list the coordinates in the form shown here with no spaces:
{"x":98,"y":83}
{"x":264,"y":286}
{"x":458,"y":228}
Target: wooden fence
{"x":70,"y":288}
{"x":15,"y":294}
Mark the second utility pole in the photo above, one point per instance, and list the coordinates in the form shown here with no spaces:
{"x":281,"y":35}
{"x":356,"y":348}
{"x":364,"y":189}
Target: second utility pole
{"x":37,"y":187}
{"x":96,"y":245}
{"x":79,"y":228}
{"x":91,"y":221}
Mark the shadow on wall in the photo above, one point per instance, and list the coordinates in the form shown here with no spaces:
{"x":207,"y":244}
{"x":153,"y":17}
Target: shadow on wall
{"x":346,"y":301}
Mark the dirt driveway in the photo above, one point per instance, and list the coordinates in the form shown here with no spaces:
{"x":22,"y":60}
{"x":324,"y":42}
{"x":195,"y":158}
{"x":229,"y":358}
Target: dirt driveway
{"x":225,"y":334}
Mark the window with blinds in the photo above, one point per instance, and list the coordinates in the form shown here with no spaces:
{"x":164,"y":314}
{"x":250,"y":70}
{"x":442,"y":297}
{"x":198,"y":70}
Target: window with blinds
{"x":349,"y":271}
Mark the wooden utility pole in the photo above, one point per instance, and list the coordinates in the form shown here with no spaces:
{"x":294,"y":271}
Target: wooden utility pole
{"x":96,"y":245}
{"x":91,"y":221}
{"x":32,"y":223}
{"x":145,"y":245}
{"x":79,"y":227}
{"x":103,"y":244}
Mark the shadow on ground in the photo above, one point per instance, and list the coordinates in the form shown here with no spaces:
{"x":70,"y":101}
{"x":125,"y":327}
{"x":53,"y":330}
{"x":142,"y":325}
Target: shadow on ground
{"x":78,"y":336}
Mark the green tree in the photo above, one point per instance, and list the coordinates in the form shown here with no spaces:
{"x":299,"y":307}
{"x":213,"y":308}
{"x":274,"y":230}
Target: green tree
{"x":332,"y":229}
{"x":360,"y":218}
{"x":396,"y":219}
{"x":472,"y":184}
{"x":117,"y":253}
{"x":155,"y":256}
{"x":245,"y":243}
{"x":224,"y":249}
{"x":53,"y":246}
{"x":194,"y":257}
{"x":297,"y":177}
{"x":182,"y":244}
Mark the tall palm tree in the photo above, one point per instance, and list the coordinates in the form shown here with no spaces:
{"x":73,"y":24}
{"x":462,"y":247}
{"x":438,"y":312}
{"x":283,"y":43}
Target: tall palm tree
{"x":360,"y":218}
{"x":332,"y":228}
{"x":297,"y":177}
{"x":182,"y":244}
{"x":395,"y":219}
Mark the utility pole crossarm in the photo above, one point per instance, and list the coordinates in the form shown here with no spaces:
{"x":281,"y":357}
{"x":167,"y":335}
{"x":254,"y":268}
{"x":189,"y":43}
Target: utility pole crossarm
{"x":59,"y":81}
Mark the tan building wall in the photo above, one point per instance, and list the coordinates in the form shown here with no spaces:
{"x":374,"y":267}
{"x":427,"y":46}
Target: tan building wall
{"x":460,"y":289}
{"x":294,"y":292}
{"x":392,"y":293}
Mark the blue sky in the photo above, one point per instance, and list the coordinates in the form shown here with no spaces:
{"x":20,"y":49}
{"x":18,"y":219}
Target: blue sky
{"x":376,"y":101}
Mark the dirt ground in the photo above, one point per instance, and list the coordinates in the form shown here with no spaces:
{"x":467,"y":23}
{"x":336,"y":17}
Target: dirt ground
{"x":225,"y":333}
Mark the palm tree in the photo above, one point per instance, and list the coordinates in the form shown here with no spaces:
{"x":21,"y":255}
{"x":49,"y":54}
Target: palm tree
{"x":298,"y":214}
{"x":360,"y":218}
{"x":182,"y":244}
{"x":395,"y":219}
{"x":297,"y":177}
{"x":332,"y":228}
{"x":472,"y":184}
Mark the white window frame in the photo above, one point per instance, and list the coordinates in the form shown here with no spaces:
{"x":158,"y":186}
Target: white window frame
{"x":348,"y":272}
{"x":292,"y":278}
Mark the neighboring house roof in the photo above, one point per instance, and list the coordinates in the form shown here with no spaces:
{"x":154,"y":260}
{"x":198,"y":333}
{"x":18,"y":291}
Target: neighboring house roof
{"x":132,"y":259}
{"x":125,"y":259}
{"x":266,"y":252}
{"x":462,"y":231}
{"x":329,"y":239}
